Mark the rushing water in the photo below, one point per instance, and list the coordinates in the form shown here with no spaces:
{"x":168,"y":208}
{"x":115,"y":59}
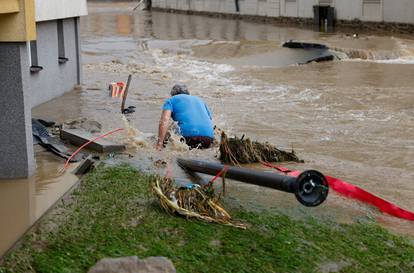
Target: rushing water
{"x":352,"y":119}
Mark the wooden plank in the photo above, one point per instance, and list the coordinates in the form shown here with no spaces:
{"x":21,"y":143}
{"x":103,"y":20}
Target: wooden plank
{"x":79,"y":137}
{"x":84,"y":166}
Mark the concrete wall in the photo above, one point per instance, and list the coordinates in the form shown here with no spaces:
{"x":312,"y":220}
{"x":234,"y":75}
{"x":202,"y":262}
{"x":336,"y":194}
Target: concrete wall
{"x":402,"y":12}
{"x":21,"y":86}
{"x":55,"y":78}
{"x":21,"y":90}
{"x":16,"y":144}
{"x":247,"y":7}
{"x":393,"y":11}
{"x":365,"y":10}
{"x":222,"y":6}
{"x":346,"y":10}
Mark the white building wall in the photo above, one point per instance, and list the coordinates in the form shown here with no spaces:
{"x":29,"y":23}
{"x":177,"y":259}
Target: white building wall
{"x":58,"y":9}
{"x":372,"y":10}
{"x":403,"y":11}
{"x":305,"y":8}
{"x":398,"y":11}
{"x":348,"y":10}
{"x":274,"y":8}
{"x":290,"y":8}
{"x":227,"y":6}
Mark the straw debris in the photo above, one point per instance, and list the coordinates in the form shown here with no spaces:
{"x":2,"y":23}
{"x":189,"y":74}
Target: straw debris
{"x":192,"y":201}
{"x":237,"y":151}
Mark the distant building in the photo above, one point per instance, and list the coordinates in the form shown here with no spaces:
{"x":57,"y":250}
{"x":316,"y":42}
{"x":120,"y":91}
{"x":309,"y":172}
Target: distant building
{"x":390,"y":11}
{"x":39,"y":60}
{"x":395,"y":11}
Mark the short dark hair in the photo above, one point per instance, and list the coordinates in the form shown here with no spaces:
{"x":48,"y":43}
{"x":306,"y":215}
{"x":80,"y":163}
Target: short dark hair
{"x":179,"y":89}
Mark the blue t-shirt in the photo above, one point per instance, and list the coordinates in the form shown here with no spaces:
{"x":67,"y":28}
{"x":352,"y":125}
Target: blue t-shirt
{"x":192,"y":115}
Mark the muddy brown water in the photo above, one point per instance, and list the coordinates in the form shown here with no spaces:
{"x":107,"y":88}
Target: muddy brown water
{"x":352,"y":119}
{"x":24,"y":201}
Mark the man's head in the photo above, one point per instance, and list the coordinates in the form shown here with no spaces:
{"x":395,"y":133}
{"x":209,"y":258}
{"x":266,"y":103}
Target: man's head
{"x":179,"y":89}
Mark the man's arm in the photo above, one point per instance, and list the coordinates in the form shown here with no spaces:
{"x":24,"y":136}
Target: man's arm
{"x":163,"y":128}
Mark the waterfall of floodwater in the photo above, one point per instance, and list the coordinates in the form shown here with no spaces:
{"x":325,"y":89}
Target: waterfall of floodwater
{"x":403,"y":53}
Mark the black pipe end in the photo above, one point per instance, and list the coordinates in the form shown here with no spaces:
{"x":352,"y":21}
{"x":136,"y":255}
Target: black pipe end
{"x":312,"y":188}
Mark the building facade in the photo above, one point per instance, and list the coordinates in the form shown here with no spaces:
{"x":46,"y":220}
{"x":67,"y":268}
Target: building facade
{"x":39,"y":60}
{"x":390,"y":11}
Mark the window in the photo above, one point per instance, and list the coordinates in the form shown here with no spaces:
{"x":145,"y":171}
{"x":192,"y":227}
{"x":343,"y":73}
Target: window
{"x":372,"y":10}
{"x":291,"y":8}
{"x":34,"y":62}
{"x":61,"y":42}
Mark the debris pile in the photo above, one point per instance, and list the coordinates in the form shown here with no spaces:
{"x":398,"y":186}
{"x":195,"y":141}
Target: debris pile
{"x":192,"y":201}
{"x":237,"y":151}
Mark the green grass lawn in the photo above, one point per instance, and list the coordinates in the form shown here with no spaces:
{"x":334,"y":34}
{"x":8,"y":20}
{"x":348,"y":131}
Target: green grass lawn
{"x":113,"y":214}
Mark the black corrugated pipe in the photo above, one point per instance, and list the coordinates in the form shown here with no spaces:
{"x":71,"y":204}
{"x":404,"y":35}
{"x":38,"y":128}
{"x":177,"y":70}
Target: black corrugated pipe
{"x":310,"y":187}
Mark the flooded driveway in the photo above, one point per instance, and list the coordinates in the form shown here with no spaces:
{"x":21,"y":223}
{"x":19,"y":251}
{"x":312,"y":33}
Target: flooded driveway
{"x":351,"y":118}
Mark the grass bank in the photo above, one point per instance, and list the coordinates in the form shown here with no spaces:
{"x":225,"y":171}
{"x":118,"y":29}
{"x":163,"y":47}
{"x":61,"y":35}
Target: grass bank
{"x":113,"y":213}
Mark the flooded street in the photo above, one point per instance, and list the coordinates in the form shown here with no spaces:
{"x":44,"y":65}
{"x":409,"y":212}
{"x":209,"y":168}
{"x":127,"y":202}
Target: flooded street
{"x":351,"y":118}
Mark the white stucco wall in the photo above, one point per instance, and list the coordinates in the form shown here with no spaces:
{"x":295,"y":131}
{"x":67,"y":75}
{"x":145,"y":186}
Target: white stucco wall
{"x":305,"y":8}
{"x":348,"y":10}
{"x":58,"y":9}
{"x":402,"y":12}
{"x":399,"y":11}
{"x":345,"y":9}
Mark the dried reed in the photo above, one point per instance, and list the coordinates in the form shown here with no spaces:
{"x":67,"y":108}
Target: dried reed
{"x":237,"y":151}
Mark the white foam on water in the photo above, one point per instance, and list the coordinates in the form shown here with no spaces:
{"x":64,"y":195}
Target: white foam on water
{"x":326,"y":138}
{"x":173,"y":46}
{"x":135,"y":138}
{"x":307,"y":95}
{"x":403,"y":60}
{"x":397,"y":61}
{"x":209,"y":78}
{"x":404,"y":54}
{"x":225,"y":42}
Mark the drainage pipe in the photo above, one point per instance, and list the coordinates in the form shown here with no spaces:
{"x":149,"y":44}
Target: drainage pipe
{"x":310,"y":187}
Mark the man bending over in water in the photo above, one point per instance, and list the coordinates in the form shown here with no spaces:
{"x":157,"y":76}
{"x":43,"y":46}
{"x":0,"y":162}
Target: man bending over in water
{"x":192,"y":115}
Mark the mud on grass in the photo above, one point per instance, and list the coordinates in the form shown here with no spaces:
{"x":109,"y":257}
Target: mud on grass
{"x":113,"y":213}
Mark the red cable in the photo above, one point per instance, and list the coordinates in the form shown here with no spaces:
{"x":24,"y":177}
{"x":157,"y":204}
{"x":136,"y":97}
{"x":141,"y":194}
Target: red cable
{"x":87,"y":143}
{"x":279,"y":168}
{"x":352,"y":191}
{"x":220,"y":173}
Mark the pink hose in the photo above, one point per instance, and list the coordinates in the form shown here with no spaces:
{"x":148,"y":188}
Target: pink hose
{"x":87,"y":143}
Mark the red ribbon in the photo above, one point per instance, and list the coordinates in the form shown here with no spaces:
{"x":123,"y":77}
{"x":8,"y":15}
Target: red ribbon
{"x":354,"y":192}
